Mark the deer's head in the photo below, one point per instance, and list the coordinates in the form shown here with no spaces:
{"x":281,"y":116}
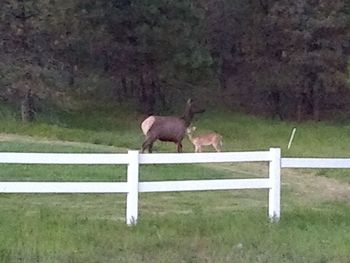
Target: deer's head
{"x":190,"y":110}
{"x":191,"y":129}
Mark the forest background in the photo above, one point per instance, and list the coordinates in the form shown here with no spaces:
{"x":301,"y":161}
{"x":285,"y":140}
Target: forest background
{"x":285,"y":59}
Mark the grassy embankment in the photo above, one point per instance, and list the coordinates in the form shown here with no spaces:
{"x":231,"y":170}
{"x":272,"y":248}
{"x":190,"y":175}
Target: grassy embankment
{"x":226,"y":226}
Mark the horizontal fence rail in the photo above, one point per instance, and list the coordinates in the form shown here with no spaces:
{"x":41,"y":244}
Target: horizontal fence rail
{"x":315,"y":163}
{"x":132,"y":186}
{"x":202,"y":185}
{"x":154,"y":158}
{"x":64,"y":158}
{"x":63,"y":187}
{"x":221,"y":157}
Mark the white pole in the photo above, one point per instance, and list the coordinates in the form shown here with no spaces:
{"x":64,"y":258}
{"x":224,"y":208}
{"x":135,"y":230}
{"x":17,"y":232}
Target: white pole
{"x":133,"y":185}
{"x":275,"y":184}
{"x":291,"y":137}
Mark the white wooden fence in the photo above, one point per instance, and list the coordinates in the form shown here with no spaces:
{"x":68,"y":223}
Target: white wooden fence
{"x":132,"y":186}
{"x":315,"y":163}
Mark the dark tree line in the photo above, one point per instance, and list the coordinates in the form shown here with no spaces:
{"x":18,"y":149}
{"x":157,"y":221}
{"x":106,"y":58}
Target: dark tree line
{"x":286,"y":58}
{"x":281,"y":58}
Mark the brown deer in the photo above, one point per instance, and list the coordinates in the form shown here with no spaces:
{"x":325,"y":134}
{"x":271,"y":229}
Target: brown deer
{"x":168,"y":128}
{"x":213,"y":139}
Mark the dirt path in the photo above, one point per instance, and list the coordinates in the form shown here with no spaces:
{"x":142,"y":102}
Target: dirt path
{"x":308,"y":187}
{"x":29,"y":139}
{"x":303,"y":185}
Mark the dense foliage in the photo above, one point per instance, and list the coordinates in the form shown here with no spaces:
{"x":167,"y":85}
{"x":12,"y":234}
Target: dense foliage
{"x":285,"y":58}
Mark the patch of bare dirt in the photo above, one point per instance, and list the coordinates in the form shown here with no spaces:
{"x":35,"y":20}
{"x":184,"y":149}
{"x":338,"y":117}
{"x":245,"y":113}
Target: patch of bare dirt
{"x":29,"y":139}
{"x":303,"y":185}
{"x":308,"y":187}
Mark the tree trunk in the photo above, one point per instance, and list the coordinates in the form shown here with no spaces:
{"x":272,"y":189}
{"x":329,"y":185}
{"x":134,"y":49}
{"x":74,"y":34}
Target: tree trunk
{"x":221,"y":74}
{"x":147,"y":92}
{"x":316,"y":100}
{"x":27,"y":107}
{"x":71,"y":71}
{"x":300,"y":107}
{"x":276,"y":98}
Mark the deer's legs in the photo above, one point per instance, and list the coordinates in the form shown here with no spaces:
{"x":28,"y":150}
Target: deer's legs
{"x":217,"y":147}
{"x":143,"y":147}
{"x":150,"y":148}
{"x":147,"y":144}
{"x":196,"y":150}
{"x":179,"y":147}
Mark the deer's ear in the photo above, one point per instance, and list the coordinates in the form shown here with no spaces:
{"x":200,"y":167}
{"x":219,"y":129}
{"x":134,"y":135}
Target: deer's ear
{"x":194,"y":128}
{"x":189,"y":101}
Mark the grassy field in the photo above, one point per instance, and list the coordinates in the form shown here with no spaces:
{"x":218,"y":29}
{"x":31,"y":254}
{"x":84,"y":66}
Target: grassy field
{"x":223,"y":226}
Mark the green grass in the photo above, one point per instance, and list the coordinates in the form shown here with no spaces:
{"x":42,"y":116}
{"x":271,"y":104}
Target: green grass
{"x":119,"y":127}
{"x":339,"y":174}
{"x":242,"y":132}
{"x":303,"y":235}
{"x":218,"y":226}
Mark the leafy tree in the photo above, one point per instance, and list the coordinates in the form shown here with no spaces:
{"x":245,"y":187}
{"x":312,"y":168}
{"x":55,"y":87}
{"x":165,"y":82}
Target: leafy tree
{"x":154,"y":44}
{"x":30,"y":68}
{"x":284,"y":55}
{"x":308,"y":43}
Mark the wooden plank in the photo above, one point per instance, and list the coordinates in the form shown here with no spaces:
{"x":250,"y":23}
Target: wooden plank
{"x":275,"y":190}
{"x":315,"y":162}
{"x":176,"y":158}
{"x":63,"y":187}
{"x":63,"y":158}
{"x":132,"y":199}
{"x":203,"y":185}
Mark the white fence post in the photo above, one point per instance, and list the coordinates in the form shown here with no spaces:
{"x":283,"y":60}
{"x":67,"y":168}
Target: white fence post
{"x":133,"y":188}
{"x":275,"y":184}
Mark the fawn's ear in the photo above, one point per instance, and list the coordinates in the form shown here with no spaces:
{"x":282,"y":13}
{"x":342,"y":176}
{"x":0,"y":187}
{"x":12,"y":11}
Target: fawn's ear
{"x":194,"y":128}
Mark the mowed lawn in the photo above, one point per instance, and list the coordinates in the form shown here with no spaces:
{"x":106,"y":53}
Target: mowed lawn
{"x":208,"y":226}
